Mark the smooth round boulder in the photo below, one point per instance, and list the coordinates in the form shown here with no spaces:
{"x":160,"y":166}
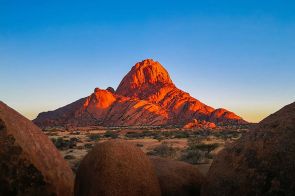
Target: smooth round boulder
{"x":116,"y":168}
{"x":260,"y":163}
{"x":29,"y":162}
{"x":177,"y":177}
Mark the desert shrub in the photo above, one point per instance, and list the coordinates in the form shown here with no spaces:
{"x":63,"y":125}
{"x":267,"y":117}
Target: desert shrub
{"x":111,"y":134}
{"x":181,"y":134}
{"x":143,"y":134}
{"x":62,"y":144}
{"x":74,"y":139}
{"x":134,"y":135}
{"x":139,"y":145}
{"x":228,"y":134}
{"x":166,"y":134}
{"x":148,"y":133}
{"x":94,"y":137}
{"x":88,"y":146}
{"x":158,"y":137}
{"x":207,"y":147}
{"x":163,"y":150}
{"x":68,"y":157}
{"x":192,"y":154}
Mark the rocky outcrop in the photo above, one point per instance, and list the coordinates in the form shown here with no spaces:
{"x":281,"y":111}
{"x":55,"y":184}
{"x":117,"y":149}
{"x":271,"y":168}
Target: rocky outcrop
{"x":200,"y":124}
{"x":105,"y":108}
{"x":144,"y":79}
{"x":177,"y":178}
{"x":111,"y":89}
{"x":145,"y":96}
{"x":116,"y":168}
{"x":29,"y":162}
{"x":224,"y":116}
{"x":261,"y":162}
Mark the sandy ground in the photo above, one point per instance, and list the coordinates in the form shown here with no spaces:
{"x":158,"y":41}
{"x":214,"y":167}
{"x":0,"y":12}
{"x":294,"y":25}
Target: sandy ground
{"x":83,"y":144}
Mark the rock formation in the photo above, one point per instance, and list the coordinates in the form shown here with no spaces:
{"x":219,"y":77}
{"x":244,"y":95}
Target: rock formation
{"x":261,"y":162}
{"x":199,"y":124}
{"x":105,"y":108}
{"x":29,"y":162}
{"x":116,"y":168}
{"x":145,"y":96}
{"x":110,"y":89}
{"x":178,"y":178}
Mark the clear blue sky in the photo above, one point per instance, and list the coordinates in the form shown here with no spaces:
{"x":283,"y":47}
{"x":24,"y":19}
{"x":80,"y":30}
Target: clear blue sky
{"x":239,"y":55}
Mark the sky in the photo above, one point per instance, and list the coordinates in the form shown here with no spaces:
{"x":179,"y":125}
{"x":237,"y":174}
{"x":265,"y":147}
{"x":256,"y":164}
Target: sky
{"x":238,"y":55}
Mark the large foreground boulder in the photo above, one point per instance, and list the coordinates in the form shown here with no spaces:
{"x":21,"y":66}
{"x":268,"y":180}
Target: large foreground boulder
{"x":116,"y":168}
{"x":260,"y":163}
{"x":177,"y":178}
{"x":29,"y":162}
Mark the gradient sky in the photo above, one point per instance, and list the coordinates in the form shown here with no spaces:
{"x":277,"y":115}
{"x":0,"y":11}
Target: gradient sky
{"x":238,"y":55}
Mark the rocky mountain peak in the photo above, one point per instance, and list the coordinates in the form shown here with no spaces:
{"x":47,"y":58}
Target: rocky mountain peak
{"x":144,"y":75}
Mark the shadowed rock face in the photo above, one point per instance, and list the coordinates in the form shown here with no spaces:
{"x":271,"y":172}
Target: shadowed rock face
{"x":261,"y":162}
{"x":145,"y":96}
{"x":29,"y":162}
{"x":178,"y":178}
{"x":116,"y":168}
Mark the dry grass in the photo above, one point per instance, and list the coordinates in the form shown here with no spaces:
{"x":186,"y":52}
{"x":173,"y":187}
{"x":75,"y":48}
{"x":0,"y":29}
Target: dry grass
{"x":170,"y":143}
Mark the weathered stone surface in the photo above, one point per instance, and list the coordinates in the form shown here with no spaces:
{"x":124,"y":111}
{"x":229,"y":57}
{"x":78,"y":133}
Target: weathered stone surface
{"x":177,"y":178}
{"x":261,"y":162}
{"x":116,"y":168}
{"x":111,"y":89}
{"x":224,"y":116}
{"x":199,"y":124}
{"x":29,"y":162}
{"x":145,"y":96}
{"x":105,"y":108}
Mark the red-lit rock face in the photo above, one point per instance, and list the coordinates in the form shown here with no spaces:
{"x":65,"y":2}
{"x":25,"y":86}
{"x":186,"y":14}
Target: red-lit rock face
{"x":99,"y":102}
{"x":199,"y":124}
{"x":150,"y":81}
{"x":223,"y":115}
{"x":143,"y":76}
{"x":145,"y":96}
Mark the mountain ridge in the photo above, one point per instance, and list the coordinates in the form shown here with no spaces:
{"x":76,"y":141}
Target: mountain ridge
{"x":145,"y":96}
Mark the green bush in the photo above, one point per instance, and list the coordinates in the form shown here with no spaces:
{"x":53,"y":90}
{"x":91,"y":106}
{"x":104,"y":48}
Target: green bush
{"x":94,"y":137}
{"x":88,"y":146}
{"x":181,"y":134}
{"x":111,"y":134}
{"x":192,"y":154}
{"x":62,"y":144}
{"x":207,"y":147}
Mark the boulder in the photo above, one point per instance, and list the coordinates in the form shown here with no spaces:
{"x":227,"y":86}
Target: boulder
{"x":116,"y":168}
{"x":199,"y":124}
{"x":29,"y":162}
{"x":260,"y":163}
{"x":177,"y":177}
